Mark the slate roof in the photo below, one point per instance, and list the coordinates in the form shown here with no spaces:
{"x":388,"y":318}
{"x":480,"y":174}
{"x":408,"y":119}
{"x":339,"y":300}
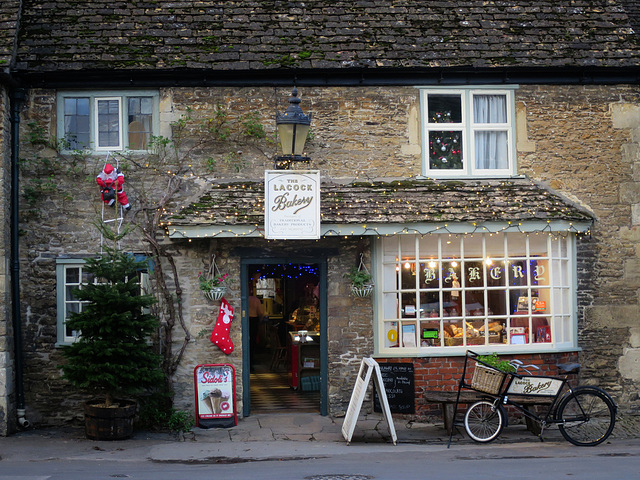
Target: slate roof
{"x":228,"y":35}
{"x":402,"y":201}
{"x":9,"y":12}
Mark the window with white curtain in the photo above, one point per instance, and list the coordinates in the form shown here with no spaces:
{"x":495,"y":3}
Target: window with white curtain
{"x":445,"y":293}
{"x":468,"y":132}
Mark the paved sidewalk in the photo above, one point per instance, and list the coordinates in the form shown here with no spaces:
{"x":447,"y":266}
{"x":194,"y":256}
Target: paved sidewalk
{"x":274,"y":436}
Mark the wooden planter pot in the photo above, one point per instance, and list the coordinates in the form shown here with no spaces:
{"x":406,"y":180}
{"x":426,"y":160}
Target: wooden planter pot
{"x":109,"y":423}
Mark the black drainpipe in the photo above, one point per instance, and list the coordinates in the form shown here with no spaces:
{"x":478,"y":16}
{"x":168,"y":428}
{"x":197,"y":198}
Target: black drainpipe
{"x":17,"y":98}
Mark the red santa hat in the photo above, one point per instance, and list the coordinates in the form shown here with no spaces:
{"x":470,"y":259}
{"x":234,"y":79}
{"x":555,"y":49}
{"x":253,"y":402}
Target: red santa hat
{"x":108,"y":168}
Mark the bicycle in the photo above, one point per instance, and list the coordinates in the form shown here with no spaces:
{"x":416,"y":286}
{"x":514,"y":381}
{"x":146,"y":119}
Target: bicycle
{"x":585,"y":415}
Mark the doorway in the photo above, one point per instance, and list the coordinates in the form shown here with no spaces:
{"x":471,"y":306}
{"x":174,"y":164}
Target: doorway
{"x":284,"y":336}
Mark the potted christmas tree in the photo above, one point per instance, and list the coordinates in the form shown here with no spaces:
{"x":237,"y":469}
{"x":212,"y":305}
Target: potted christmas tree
{"x":112,"y":357}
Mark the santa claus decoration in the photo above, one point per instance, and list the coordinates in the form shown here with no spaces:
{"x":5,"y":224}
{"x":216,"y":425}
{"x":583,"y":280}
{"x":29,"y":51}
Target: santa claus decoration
{"x":111,"y":182}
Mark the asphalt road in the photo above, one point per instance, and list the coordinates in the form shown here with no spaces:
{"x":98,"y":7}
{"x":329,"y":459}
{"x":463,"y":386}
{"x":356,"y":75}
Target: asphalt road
{"x":531,"y":460}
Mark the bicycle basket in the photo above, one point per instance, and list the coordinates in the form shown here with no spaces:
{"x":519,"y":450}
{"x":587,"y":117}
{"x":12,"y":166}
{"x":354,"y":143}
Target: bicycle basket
{"x":486,"y":379}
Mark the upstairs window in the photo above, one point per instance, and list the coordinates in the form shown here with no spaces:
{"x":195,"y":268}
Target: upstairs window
{"x":468,"y":133}
{"x":107,"y":122}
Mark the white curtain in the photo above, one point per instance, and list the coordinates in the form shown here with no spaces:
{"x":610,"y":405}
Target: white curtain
{"x":491,"y":146}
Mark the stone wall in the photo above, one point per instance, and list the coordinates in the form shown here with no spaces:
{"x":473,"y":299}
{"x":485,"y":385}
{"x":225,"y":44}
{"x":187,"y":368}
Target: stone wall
{"x":580,"y":140}
{"x":7,"y":379}
{"x":585,"y":145}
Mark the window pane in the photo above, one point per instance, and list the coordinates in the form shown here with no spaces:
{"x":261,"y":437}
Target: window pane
{"x":492,"y":150}
{"x":496,"y":276}
{"x":445,"y":108}
{"x":139,"y":122}
{"x":474,"y":274}
{"x":429,"y":274}
{"x":490,"y":108}
{"x":108,"y":123}
{"x":497,"y":302}
{"x":72,"y":275}
{"x":445,"y":150}
{"x":76,"y":122}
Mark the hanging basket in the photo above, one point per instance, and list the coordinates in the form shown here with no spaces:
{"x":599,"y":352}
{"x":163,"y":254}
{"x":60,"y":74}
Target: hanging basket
{"x":216,"y":293}
{"x":363,"y":291}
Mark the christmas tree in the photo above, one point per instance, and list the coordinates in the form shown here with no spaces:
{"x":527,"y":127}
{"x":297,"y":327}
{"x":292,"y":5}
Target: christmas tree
{"x":445,"y":147}
{"x":112,"y":357}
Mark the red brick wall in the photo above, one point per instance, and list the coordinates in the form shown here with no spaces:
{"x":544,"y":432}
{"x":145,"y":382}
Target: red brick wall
{"x":443,"y":374}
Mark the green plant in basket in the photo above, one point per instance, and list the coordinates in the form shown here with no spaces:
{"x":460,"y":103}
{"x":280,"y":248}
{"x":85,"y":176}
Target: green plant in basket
{"x":494,"y":361}
{"x":358,"y":277}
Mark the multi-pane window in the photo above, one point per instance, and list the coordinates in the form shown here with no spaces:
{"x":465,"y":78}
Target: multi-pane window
{"x":470,"y":291}
{"x":71,"y":275}
{"x":108,"y":122}
{"x":468,"y":132}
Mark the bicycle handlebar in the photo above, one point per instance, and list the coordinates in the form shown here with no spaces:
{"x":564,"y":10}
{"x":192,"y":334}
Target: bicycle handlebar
{"x":517,"y":364}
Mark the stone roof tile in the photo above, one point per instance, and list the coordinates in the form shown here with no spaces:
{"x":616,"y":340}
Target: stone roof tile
{"x":378,"y":34}
{"x":9,"y":15}
{"x":403,"y":201}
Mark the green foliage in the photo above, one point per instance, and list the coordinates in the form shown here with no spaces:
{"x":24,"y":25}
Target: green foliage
{"x":494,"y":361}
{"x":180,"y":421}
{"x":358,"y":277}
{"x":157,"y":413}
{"x":252,"y":127}
{"x":112,"y":357}
{"x":234,"y":161}
{"x":46,"y":169}
{"x":217,"y":126}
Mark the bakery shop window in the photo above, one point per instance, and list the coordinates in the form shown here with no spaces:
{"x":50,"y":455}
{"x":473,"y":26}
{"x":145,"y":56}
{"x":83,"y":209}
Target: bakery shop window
{"x":492,"y":291}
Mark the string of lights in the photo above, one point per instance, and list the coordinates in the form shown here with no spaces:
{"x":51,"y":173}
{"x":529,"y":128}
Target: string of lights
{"x":240,"y":219}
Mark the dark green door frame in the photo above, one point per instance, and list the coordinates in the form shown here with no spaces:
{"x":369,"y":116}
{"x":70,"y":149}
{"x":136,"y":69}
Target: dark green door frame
{"x":321,"y":261}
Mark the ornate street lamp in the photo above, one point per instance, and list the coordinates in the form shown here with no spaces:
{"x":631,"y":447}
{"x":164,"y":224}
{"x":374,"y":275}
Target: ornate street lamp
{"x":293,"y":126}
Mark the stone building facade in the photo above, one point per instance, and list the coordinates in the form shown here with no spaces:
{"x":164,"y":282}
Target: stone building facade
{"x":568,"y":202}
{"x":552,"y":124}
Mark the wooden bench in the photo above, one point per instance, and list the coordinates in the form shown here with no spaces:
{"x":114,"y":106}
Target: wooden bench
{"x":448,"y":400}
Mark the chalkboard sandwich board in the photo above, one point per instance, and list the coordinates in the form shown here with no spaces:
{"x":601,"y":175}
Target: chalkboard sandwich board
{"x":399,"y":383}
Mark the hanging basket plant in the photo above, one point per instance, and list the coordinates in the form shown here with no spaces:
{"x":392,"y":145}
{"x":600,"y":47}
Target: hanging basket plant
{"x":215,"y":293}
{"x":213,"y":283}
{"x":361,"y":280}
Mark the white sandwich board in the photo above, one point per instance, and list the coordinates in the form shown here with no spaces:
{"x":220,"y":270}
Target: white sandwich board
{"x":367,"y":367}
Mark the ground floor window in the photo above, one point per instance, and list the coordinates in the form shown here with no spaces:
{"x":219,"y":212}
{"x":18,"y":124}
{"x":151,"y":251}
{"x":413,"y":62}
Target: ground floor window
{"x":502,"y":291}
{"x":71,"y":274}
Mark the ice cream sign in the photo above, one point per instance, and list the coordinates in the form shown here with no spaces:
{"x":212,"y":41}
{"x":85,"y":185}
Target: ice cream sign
{"x":215,"y":395}
{"x":292,"y":204}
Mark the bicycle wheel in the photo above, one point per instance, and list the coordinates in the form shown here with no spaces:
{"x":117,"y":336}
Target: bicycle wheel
{"x":586,"y":416}
{"x":483,"y":421}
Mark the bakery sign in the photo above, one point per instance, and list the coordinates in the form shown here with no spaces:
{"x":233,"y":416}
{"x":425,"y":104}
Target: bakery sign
{"x":292,"y":204}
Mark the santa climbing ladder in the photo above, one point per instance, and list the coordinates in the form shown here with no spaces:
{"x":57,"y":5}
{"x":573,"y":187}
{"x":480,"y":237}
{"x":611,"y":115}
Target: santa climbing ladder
{"x":111,"y":181}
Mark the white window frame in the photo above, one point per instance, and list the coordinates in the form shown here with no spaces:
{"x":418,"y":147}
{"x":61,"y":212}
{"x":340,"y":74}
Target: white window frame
{"x":96,"y":122}
{"x":561,"y":305}
{"x":62,"y":264}
{"x":468,"y":127}
{"x":122,"y":97}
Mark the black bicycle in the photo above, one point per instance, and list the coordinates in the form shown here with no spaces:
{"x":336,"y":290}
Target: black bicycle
{"x":585,"y":415}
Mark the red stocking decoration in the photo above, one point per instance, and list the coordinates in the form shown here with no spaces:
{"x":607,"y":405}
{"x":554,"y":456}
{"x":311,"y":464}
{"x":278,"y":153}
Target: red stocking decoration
{"x":220,"y":334}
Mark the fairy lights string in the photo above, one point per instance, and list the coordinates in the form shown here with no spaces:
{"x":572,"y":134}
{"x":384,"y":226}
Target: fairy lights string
{"x":245,"y":215}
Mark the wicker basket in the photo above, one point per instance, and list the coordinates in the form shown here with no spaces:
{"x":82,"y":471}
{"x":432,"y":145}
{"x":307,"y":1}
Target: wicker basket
{"x":216,"y":293}
{"x":486,"y":379}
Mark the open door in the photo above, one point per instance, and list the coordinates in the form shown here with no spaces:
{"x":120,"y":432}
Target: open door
{"x":284,"y":337}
